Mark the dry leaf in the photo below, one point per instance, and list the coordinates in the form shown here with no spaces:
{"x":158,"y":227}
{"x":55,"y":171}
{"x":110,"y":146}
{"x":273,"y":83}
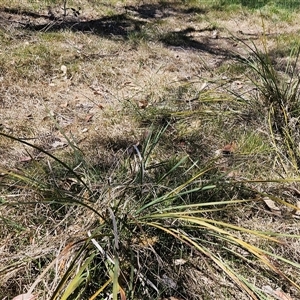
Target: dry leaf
{"x":58,"y":144}
{"x":229,"y":148}
{"x":64,"y":105}
{"x":25,"y":297}
{"x":203,"y":86}
{"x":271,"y":205}
{"x":25,"y":159}
{"x":89,"y":118}
{"x":64,"y":70}
{"x":143,"y":104}
{"x":179,"y":262}
{"x":122,"y":293}
{"x":168,"y":281}
{"x":97,"y":90}
{"x":215,"y":34}
{"x":233,"y":174}
{"x":278,"y":293}
{"x":98,"y":93}
{"x":281,"y":295}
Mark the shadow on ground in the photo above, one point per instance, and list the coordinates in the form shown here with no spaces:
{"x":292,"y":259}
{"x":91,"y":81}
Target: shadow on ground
{"x":122,"y":26}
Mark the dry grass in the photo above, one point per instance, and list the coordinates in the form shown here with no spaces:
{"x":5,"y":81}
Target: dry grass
{"x":130,"y":65}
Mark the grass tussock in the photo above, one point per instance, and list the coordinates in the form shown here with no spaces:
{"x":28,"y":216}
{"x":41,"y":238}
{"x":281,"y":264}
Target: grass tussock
{"x":149,"y":151}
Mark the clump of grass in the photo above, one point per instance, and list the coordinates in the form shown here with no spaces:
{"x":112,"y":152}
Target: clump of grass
{"x":279,"y":97}
{"x":157,"y":211}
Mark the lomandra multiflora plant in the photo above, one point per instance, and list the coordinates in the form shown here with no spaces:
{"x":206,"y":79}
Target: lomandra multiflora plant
{"x":278,"y":95}
{"x":138,"y":224}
